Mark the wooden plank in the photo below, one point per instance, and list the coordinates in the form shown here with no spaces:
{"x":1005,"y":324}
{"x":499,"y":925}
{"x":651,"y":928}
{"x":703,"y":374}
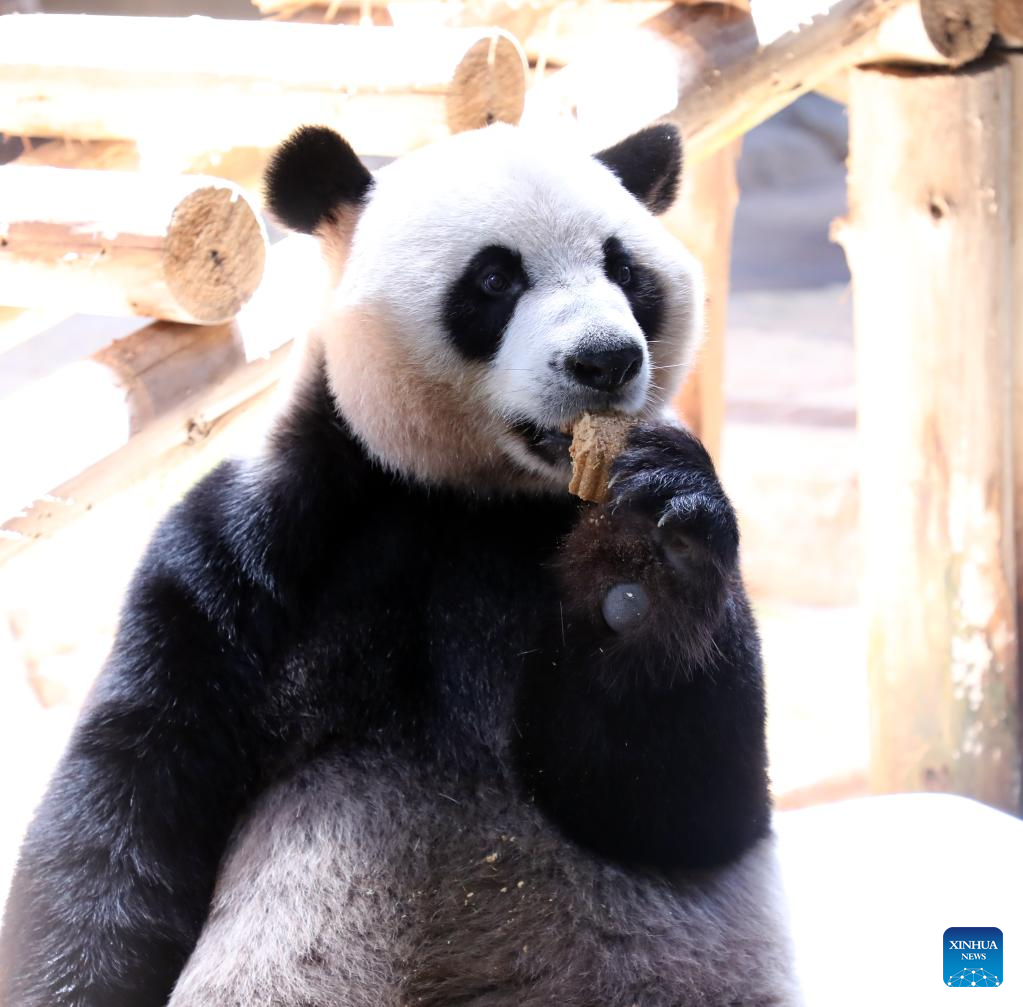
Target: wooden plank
{"x":702,"y":219}
{"x":188,"y":248}
{"x":240,"y":83}
{"x":929,"y":239}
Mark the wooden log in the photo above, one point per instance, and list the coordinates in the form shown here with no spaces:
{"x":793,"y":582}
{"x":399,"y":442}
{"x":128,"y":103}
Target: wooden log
{"x":249,"y":83}
{"x":959,"y":29}
{"x":186,"y":248}
{"x":929,"y":239}
{"x":91,"y":428}
{"x":243,"y":165}
{"x":704,"y":67}
{"x":934,"y":33}
{"x":1009,"y":21}
{"x":702,"y":219}
{"x":931,"y":32}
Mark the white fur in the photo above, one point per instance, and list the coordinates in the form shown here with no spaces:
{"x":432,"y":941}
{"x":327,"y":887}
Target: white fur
{"x":428,"y":214}
{"x":332,"y":897}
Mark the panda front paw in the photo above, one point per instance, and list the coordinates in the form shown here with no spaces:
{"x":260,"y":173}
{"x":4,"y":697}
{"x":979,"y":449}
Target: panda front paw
{"x":666,"y":478}
{"x":658,"y":560}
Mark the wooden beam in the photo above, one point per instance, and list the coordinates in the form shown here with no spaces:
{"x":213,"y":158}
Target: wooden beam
{"x":146,"y":397}
{"x":929,"y":241}
{"x":179,"y":247}
{"x":702,"y":219}
{"x":704,"y":68}
{"x":241,"y":83}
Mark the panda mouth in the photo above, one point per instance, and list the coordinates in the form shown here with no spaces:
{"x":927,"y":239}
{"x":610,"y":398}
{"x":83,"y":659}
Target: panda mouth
{"x":551,"y":445}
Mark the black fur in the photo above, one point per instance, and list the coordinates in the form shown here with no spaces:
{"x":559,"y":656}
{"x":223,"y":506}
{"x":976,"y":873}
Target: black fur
{"x":310,"y":175}
{"x":647,"y":745}
{"x":648,"y":164}
{"x":311,"y":599}
{"x":476,"y":312}
{"x":641,"y":287}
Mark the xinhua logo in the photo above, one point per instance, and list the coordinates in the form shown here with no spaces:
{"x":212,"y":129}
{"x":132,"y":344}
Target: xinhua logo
{"x":973,"y":956}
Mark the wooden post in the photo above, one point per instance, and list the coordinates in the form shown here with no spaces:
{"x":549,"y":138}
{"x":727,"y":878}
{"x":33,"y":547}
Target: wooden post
{"x":180,"y":247}
{"x":239,"y":83}
{"x":929,"y":237}
{"x":702,"y":219}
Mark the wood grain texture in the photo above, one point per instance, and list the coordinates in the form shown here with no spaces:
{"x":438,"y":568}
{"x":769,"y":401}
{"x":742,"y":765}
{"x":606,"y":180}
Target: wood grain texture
{"x":236,"y":83}
{"x":179,"y":247}
{"x":243,"y":165}
{"x":959,"y":29}
{"x":929,"y":241}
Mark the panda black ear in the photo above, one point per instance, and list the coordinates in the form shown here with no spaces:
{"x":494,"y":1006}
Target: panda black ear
{"x":648,"y":164}
{"x":310,"y":175}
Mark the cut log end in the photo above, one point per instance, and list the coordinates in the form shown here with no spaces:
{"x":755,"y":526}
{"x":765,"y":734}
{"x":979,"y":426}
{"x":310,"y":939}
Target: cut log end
{"x":959,"y":29}
{"x":489,"y":84}
{"x":1009,"y":21}
{"x":214,"y":253}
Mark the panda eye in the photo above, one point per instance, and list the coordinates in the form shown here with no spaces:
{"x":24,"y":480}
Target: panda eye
{"x":623,"y":274}
{"x":495,"y":283}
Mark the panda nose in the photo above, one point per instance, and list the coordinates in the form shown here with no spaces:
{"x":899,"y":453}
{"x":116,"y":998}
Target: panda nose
{"x":608,"y":369}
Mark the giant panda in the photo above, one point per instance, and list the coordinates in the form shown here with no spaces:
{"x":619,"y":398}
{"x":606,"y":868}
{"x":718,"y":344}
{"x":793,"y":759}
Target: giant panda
{"x":391,"y":718}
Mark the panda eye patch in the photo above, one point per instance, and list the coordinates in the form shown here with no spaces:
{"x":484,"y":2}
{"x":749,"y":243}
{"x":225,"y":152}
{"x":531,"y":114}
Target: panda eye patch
{"x":480,"y":303}
{"x":639,"y":284}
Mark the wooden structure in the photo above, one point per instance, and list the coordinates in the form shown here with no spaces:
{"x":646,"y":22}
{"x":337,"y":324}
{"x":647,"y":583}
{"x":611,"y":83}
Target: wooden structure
{"x":933,"y":239}
{"x":188,"y":248}
{"x":212,"y":83}
{"x":930,"y":240}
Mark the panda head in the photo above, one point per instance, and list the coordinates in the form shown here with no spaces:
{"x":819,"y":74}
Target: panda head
{"x":491,"y":288}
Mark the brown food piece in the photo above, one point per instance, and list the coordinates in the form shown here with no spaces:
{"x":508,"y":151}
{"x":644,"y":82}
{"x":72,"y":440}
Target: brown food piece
{"x":597,"y":440}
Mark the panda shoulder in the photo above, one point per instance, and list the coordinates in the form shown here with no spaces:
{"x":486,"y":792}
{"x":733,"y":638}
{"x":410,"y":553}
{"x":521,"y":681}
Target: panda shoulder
{"x":211,"y":550}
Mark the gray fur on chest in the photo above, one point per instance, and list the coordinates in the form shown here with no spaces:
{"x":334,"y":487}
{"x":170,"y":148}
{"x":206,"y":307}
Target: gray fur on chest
{"x":358,"y":883}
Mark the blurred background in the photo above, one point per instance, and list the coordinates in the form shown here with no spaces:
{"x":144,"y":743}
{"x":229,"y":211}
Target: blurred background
{"x":107,"y":416}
